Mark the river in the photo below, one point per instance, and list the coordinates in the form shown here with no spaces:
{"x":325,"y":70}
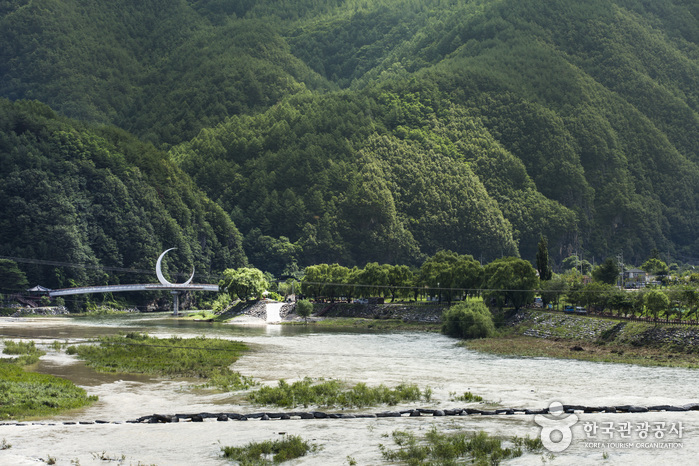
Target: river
{"x":295,"y":352}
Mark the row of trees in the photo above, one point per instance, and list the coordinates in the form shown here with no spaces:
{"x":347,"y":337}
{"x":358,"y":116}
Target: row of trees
{"x":671,"y":302}
{"x":446,"y":276}
{"x":503,"y":282}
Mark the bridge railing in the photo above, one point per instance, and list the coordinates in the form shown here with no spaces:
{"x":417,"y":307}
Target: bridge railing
{"x":134,"y":287}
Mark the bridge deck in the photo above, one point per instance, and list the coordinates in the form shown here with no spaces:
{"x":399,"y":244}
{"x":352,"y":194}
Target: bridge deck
{"x":136,"y":287}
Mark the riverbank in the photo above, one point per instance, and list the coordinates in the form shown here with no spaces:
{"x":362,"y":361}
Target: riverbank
{"x":548,"y":334}
{"x":393,"y":316}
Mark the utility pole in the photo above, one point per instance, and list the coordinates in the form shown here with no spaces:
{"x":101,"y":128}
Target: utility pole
{"x":620,"y":263}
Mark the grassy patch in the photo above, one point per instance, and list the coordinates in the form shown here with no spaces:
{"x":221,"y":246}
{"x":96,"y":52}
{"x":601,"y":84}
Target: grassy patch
{"x":440,"y":448}
{"x":28,"y":394}
{"x":334,"y":393}
{"x":173,"y":357}
{"x":269,"y":452}
{"x":467,"y":397}
{"x":200,"y":315}
{"x":28,"y":352}
{"x":101,"y":311}
{"x":563,"y":348}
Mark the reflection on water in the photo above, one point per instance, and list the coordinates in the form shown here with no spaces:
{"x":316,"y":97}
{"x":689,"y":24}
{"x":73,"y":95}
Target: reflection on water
{"x":294,"y":352}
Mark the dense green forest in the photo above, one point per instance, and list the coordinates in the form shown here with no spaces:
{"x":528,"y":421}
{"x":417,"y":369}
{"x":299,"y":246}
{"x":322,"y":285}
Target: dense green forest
{"x":354,"y":131}
{"x":76,"y":195}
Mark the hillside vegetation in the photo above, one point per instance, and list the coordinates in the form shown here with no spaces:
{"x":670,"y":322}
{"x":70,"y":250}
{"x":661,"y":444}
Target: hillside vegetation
{"x":354,"y":131}
{"x":99,"y":197}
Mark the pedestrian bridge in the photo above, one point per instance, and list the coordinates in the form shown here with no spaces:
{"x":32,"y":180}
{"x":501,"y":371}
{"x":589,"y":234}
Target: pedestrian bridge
{"x":174,"y":288}
{"x":136,"y":287}
{"x":164,"y":285}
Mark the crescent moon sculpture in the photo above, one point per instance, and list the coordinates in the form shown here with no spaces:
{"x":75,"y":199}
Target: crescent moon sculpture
{"x":159,"y":271}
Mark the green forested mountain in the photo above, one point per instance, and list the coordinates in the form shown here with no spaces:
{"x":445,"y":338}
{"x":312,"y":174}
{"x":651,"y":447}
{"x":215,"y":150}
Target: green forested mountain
{"x":357,"y":131}
{"x":99,"y":197}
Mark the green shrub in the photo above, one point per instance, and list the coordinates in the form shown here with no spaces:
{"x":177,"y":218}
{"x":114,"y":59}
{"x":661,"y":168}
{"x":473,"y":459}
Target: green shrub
{"x":274,"y":296}
{"x":468,"y":320}
{"x":304,"y":308}
{"x":256,"y":453}
{"x":468,"y":397}
{"x":28,"y":352}
{"x":453,"y":448}
{"x":334,"y":393}
{"x":221,"y":303}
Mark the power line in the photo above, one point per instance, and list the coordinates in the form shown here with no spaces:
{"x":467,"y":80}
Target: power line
{"x":470,"y":290}
{"x":91,"y":266}
{"x":356,"y":285}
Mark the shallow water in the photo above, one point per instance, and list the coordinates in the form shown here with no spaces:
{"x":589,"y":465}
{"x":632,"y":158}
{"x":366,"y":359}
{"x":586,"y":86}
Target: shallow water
{"x":296,"y":352}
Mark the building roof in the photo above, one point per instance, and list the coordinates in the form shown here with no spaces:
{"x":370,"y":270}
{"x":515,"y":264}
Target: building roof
{"x":38,"y":288}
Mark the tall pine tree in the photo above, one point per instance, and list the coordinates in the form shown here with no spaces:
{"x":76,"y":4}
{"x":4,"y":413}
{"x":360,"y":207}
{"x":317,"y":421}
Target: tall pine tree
{"x":542,"y":259}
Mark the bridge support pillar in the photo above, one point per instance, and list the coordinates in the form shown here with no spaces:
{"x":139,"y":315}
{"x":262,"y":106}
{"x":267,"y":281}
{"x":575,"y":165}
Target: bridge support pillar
{"x":175,"y":302}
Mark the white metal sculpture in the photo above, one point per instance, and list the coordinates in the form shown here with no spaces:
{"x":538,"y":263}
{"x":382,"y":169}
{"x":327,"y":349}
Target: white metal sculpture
{"x":159,"y":272}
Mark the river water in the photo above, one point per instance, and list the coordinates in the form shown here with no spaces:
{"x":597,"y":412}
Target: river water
{"x":295,"y":352}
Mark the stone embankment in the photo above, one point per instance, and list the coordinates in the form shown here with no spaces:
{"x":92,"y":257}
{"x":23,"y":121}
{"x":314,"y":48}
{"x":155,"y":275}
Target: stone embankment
{"x":256,"y":309}
{"x":426,"y":313}
{"x":551,"y":325}
{"x":405,"y":312}
{"x":42,"y":311}
{"x":267,"y":416}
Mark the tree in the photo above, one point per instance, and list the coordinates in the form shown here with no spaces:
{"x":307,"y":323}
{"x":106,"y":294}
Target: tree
{"x":574,"y":263}
{"x":243,"y":283}
{"x":304,"y":308}
{"x":374,"y":278}
{"x":656,"y":302}
{"x":638,"y":300}
{"x":12,"y":279}
{"x":552,"y":290}
{"x":275,"y":255}
{"x":468,"y":320}
{"x":620,"y":301}
{"x":596,"y":296}
{"x":399,"y":278}
{"x":468,"y":274}
{"x":437,"y":272}
{"x":450,"y":271}
{"x":656,"y":267}
{"x":654,"y":254}
{"x":510,"y":280}
{"x":607,"y":272}
{"x":337,"y":279}
{"x":542,"y":259}
{"x":690,"y":300}
{"x":314,"y":279}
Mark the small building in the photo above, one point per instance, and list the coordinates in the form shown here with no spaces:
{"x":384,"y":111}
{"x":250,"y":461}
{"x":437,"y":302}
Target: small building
{"x":38,"y":290}
{"x":635,"y":278}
